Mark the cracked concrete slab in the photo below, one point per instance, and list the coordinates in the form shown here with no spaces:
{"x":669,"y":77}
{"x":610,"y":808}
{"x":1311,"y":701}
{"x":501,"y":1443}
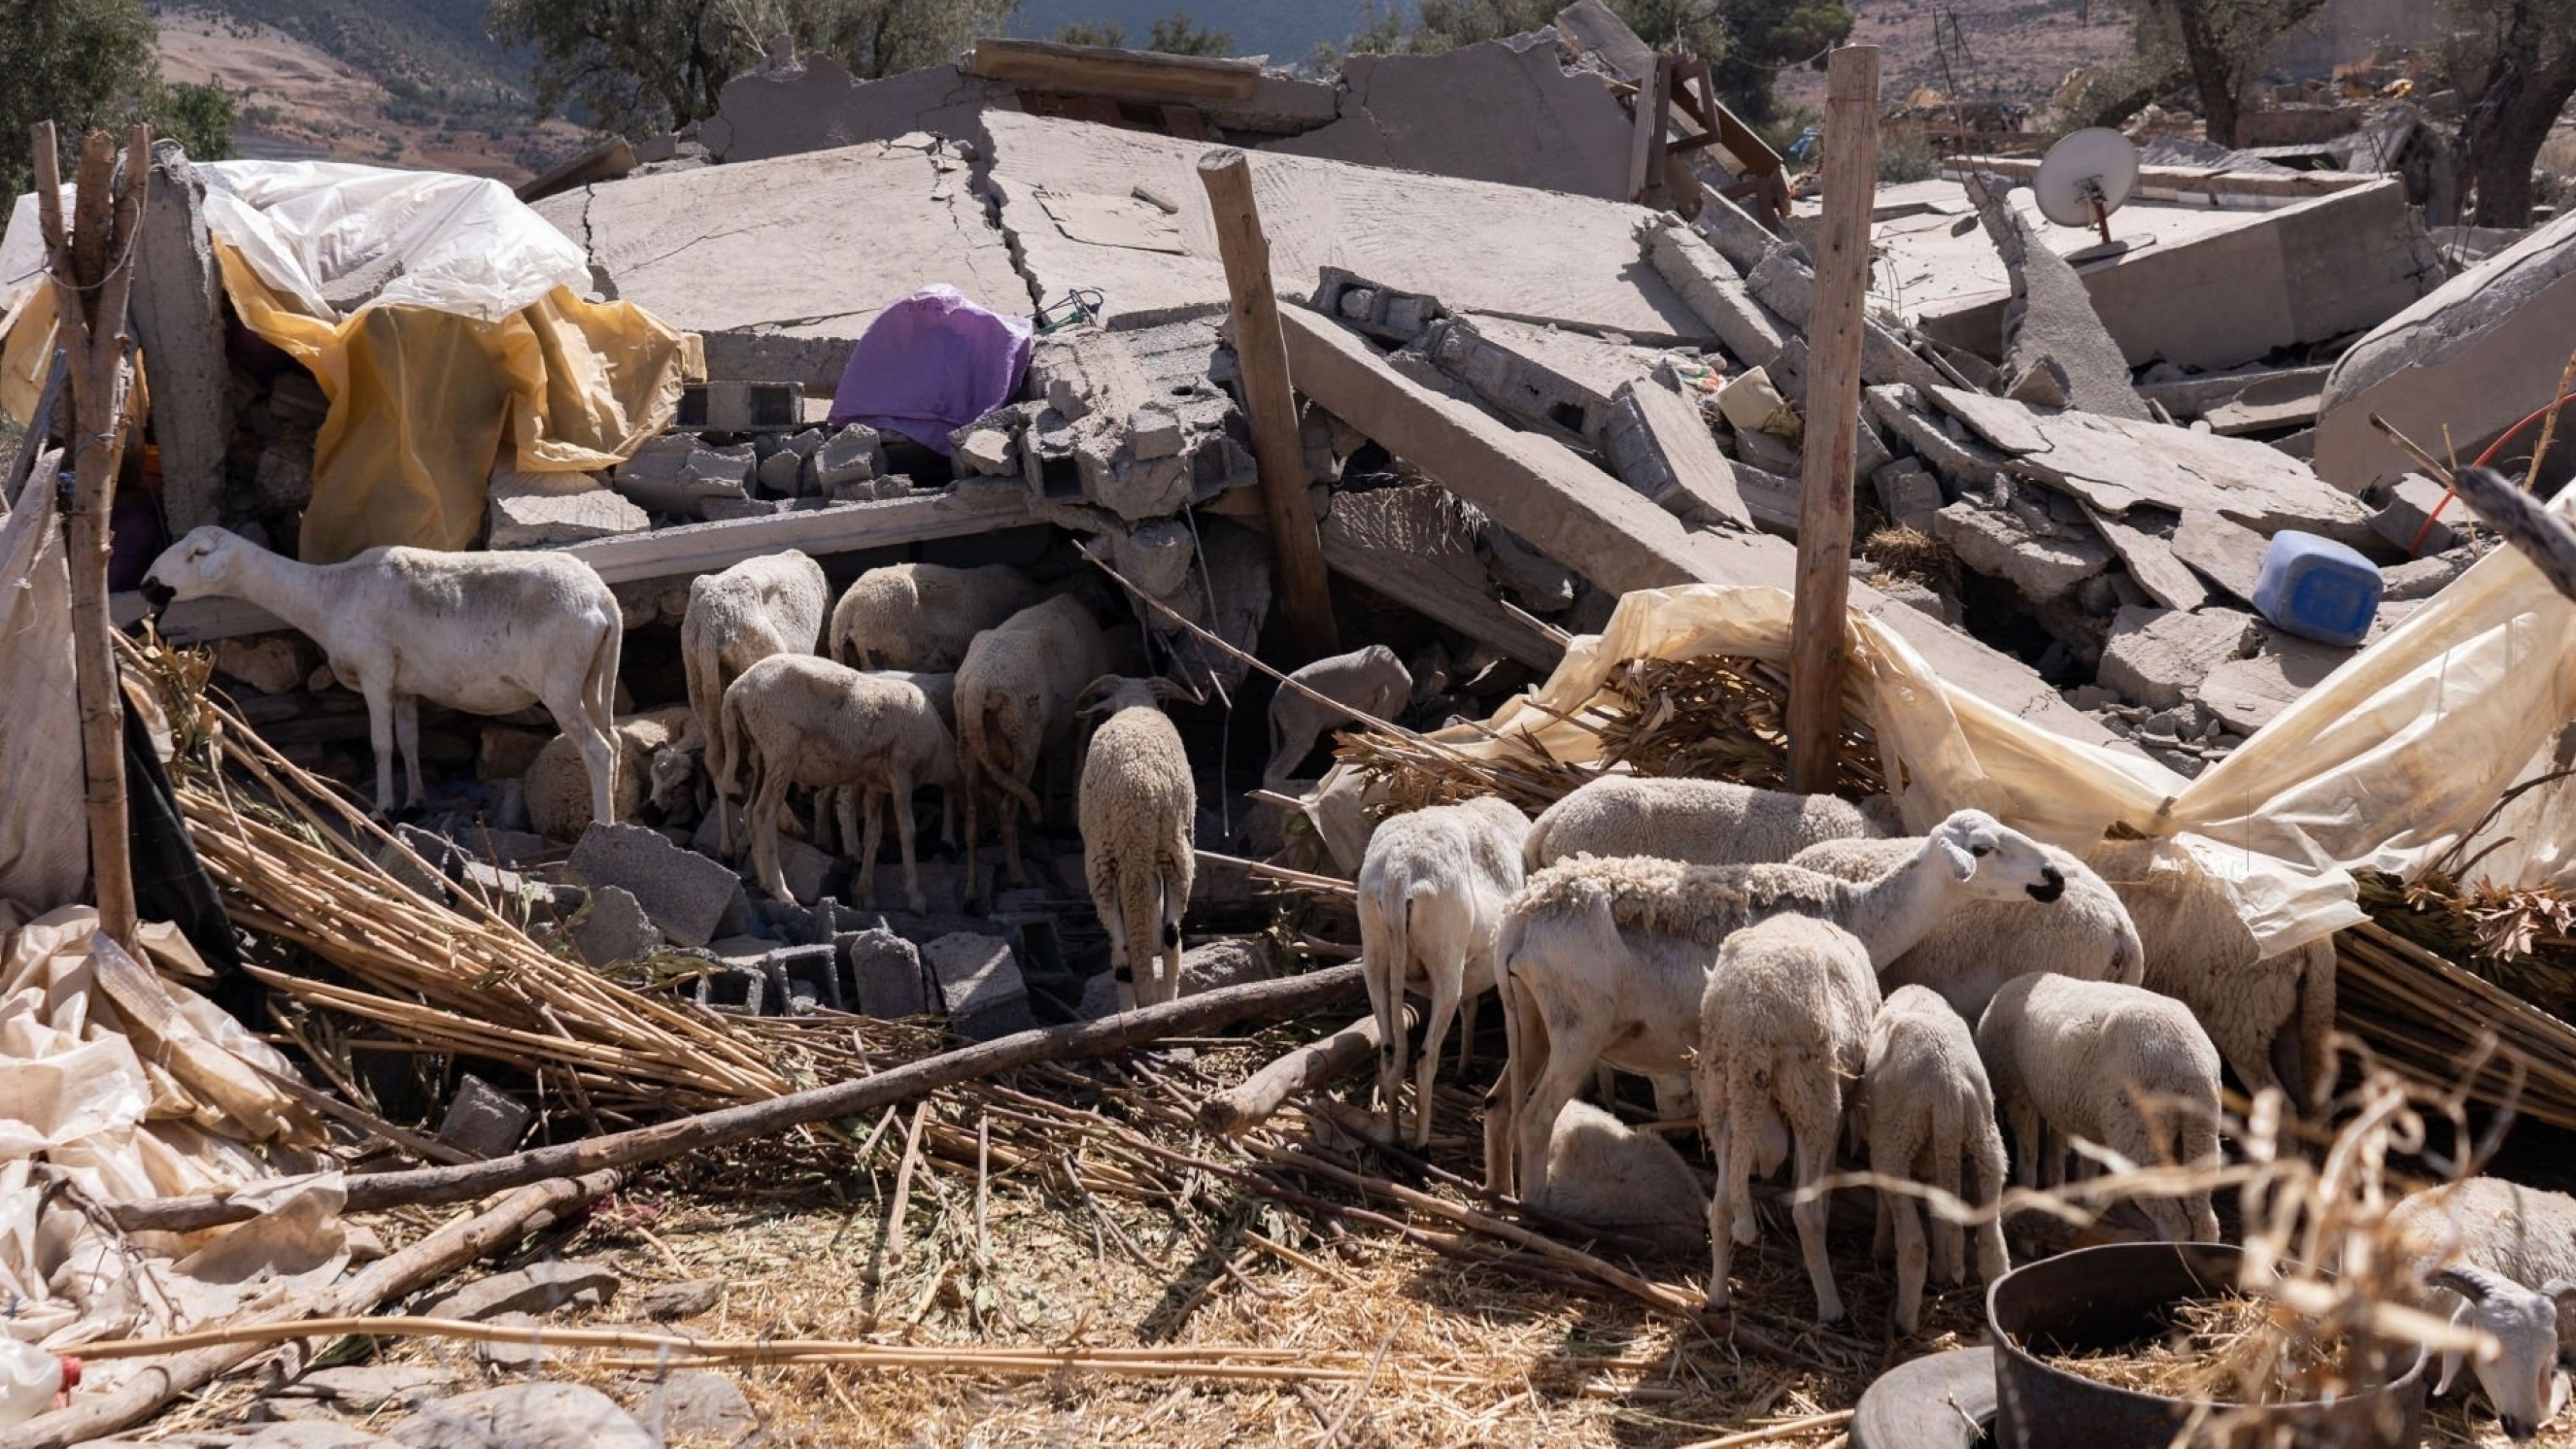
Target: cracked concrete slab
{"x":781,"y":264}
{"x":1506,"y":111}
{"x":1533,"y":256}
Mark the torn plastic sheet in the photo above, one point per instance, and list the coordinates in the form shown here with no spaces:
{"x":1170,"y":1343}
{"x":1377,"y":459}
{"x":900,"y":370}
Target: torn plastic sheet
{"x":116,"y":1086}
{"x":2394,"y":762}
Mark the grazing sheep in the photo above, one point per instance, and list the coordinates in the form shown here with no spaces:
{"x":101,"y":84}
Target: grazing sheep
{"x":1983,"y":944}
{"x":1703,"y":822}
{"x":804,"y":720}
{"x":1431,"y":896}
{"x":1139,"y":808}
{"x":757,"y":608}
{"x":941,"y":690}
{"x":922,"y":616}
{"x":1603,"y":1174}
{"x":2481,"y":1245}
{"x":1605,"y":960}
{"x":2116,"y":1065}
{"x":487,"y":633}
{"x":2271,"y":1016}
{"x":1783,"y":1022}
{"x":1925,"y":1108}
{"x":557,"y":782}
{"x":1371,"y":680}
{"x":1015,"y":695}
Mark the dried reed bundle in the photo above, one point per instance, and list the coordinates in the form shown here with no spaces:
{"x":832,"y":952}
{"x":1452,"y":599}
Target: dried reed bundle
{"x":2232,"y":1346}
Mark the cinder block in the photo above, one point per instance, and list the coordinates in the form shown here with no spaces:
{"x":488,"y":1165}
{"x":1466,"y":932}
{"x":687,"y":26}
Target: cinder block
{"x":484,"y":1121}
{"x":688,"y":896}
{"x":886,"y":976}
{"x":980,"y":984}
{"x":742,"y":407}
{"x":804,"y":978}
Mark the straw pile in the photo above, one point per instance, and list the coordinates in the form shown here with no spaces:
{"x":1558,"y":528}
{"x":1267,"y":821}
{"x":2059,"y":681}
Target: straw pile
{"x":2213,"y":1348}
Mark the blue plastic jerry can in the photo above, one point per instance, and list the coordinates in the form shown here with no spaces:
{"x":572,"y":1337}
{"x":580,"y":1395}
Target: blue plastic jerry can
{"x":2317,"y":588}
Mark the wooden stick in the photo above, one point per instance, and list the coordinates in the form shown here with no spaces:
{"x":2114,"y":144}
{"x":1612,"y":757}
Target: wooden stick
{"x":1835,"y":327}
{"x":1190,"y":1016}
{"x":93,"y":276}
{"x":1782,"y":1430}
{"x":2545,"y":539}
{"x":1319,"y":1063}
{"x":423,"y":1263}
{"x":1264,"y":870}
{"x":1261,"y":354}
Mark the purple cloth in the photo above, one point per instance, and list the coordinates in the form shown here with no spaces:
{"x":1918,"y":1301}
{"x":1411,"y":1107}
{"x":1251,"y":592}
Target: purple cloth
{"x":932,"y":363}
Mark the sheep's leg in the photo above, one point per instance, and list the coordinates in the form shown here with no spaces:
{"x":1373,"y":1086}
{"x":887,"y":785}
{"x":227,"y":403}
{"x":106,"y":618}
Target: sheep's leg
{"x":1503,"y":1098}
{"x":1385,"y":953}
{"x":871,"y":832}
{"x":1814,"y":1135}
{"x":966,"y":777}
{"x":380,"y":735}
{"x":770,"y":798}
{"x":900,"y":802}
{"x":1993,"y":1258}
{"x":2023,"y":1117}
{"x":1114,"y":921}
{"x":2197,"y":1144}
{"x":1909,"y":1257}
{"x":1716,"y":1124}
{"x":1444,"y":1009}
{"x":821,"y":836}
{"x":1568,"y":1064}
{"x":1175,"y":901}
{"x":1949,"y":1240}
{"x":2131,"y":1137}
{"x":1011,"y":843}
{"x":407,"y":735}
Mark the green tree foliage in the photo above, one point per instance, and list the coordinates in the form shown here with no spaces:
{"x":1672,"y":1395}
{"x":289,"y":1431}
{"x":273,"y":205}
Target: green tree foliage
{"x":2225,"y":44}
{"x":89,"y":63}
{"x":1093,"y":32}
{"x":1770,"y":36}
{"x":2515,"y":64}
{"x":644,"y":66}
{"x":1178,"y":34}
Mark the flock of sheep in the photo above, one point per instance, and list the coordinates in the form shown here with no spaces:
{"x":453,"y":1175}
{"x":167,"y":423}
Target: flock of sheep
{"x":1785,"y":966}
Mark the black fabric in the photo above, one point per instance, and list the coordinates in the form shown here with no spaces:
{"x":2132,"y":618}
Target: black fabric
{"x":170,"y":882}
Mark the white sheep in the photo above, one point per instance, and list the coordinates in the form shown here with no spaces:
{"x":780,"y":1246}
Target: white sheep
{"x":1925,"y":1109}
{"x":921,"y":615}
{"x":2086,"y":933}
{"x":1431,"y":895}
{"x":1703,"y":822}
{"x":1138,"y":806}
{"x":1604,"y":960}
{"x":1604,"y":1174}
{"x":1783,"y":1021}
{"x":1016,"y":689}
{"x":941,"y":690}
{"x":804,"y":720}
{"x":2481,"y":1245}
{"x":2115,"y":1065}
{"x":557,"y":782}
{"x":1344,"y":810}
{"x":757,"y":608}
{"x":2271,"y":1016}
{"x":1371,"y":680}
{"x":486,"y":633}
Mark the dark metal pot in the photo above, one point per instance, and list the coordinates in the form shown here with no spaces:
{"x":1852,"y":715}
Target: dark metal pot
{"x":2112,"y":1296}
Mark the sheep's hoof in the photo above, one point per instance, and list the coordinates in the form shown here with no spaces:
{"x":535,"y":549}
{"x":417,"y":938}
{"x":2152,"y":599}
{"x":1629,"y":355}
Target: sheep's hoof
{"x":920,"y":905}
{"x":1717,"y":1299}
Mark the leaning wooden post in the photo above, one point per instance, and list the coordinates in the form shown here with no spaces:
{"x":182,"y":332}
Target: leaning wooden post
{"x":1834,"y":335}
{"x":1261,"y":352}
{"x":93,"y":275}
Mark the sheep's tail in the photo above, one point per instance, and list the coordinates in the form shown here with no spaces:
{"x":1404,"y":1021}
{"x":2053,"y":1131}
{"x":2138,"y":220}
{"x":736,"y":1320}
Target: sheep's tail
{"x":1023,"y":712}
{"x":1386,"y":911}
{"x":2317,"y":1020}
{"x":701,"y":660}
{"x":1749,"y":1069}
{"x":1140,"y":908}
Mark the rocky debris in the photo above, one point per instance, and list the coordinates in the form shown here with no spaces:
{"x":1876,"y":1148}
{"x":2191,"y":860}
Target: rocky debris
{"x":307,"y":1434}
{"x":269,"y":663}
{"x":2026,"y":540}
{"x":2248,"y":692}
{"x":614,"y":928}
{"x":2056,"y":351}
{"x":979,"y":985}
{"x":689,"y":897}
{"x":2406,"y":516}
{"x":663,"y":1302}
{"x":527,"y":510}
{"x":484,"y":1121}
{"x":2159,"y":657}
{"x":695,"y":1406}
{"x":855,"y":454}
{"x":1909,"y":495}
{"x":677,"y":474}
{"x":365,"y":1388}
{"x":886,"y":974}
{"x":2424,"y":577}
{"x":1711,"y":287}
{"x":529,"y":1413}
{"x":538,"y":1288}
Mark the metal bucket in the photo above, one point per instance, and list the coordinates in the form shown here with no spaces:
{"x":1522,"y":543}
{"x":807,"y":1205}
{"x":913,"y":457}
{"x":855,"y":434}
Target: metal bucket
{"x":2112,"y":1296}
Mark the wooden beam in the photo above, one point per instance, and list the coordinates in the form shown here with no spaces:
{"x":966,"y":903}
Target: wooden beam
{"x":1653,"y":101}
{"x":1261,"y":355}
{"x":1102,"y":68}
{"x":93,"y":276}
{"x":2545,"y":538}
{"x":1834,"y":339}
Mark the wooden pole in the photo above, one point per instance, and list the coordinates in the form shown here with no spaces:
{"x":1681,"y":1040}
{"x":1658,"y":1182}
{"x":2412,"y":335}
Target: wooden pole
{"x":93,"y":275}
{"x":1261,"y":351}
{"x":1834,"y":334}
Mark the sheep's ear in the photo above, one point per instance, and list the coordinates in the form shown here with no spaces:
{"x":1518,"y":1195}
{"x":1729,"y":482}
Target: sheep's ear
{"x":1963,"y":866}
{"x":1094,"y":692}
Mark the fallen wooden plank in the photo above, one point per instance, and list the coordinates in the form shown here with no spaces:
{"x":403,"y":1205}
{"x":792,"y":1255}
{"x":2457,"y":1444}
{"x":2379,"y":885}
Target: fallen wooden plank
{"x":1047,"y":64}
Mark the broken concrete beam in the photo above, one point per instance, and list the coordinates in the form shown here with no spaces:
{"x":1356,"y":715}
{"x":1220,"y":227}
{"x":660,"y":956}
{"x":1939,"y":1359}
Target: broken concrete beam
{"x":1711,"y":286}
{"x":741,"y":407}
{"x":1378,"y":311}
{"x":2424,"y":577}
{"x":1155,"y":556}
{"x":1769,"y":452}
{"x":2406,"y":515}
{"x":980,"y":985}
{"x":483,"y":1121}
{"x":676,"y":473}
{"x":178,"y":312}
{"x":2159,"y":657}
{"x":1787,"y":285}
{"x":2194,"y":396}
{"x":2050,"y":327}
{"x":1659,"y":444}
{"x":1416,"y":544}
{"x":1519,"y":380}
{"x":690,"y":897}
{"x":1772,"y":499}
{"x":540,"y":515}
{"x":1088,"y":370}
{"x":2020,"y":545}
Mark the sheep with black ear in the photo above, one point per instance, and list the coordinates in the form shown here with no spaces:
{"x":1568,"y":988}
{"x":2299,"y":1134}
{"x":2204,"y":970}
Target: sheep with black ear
{"x":1431,"y":895}
{"x":1371,"y":680}
{"x":2481,"y":1245}
{"x":486,"y":633}
{"x":1138,"y":807}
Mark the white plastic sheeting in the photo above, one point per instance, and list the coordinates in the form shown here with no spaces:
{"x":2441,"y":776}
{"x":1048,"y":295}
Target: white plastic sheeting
{"x":2393,"y":763}
{"x":457,"y":244}
{"x":44,"y":832}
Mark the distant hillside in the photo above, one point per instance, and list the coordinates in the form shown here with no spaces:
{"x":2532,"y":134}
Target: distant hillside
{"x":392,"y":82}
{"x":1285,"y":30}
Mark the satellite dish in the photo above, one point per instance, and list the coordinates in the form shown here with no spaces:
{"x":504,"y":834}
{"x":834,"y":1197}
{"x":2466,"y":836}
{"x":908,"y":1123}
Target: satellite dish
{"x":2085,"y":178}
